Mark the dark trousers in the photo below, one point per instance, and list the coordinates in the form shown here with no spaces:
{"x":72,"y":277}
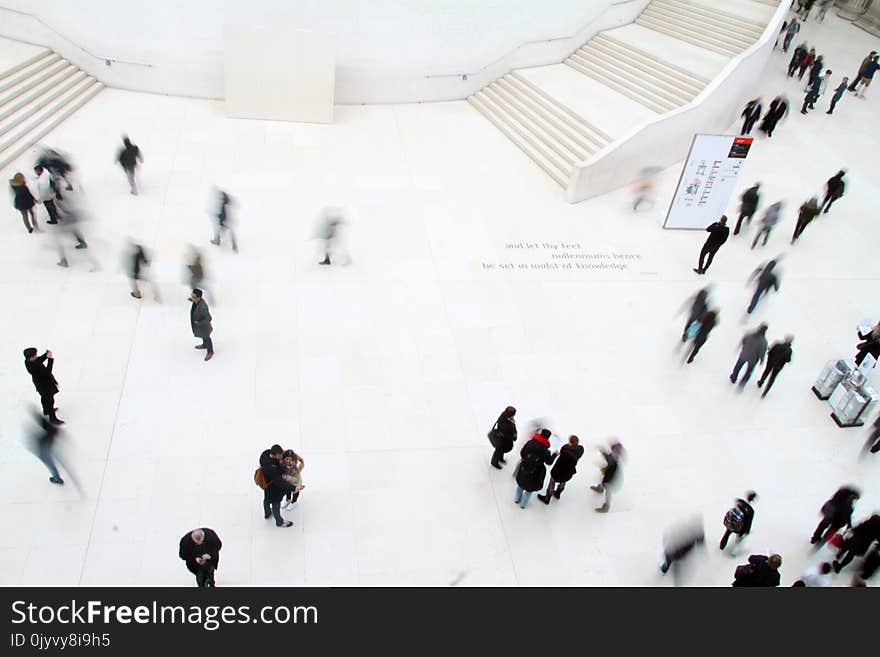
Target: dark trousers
{"x":498,"y":455}
{"x":47,"y":400}
{"x":759,"y":292}
{"x":708,"y":252}
{"x":209,"y":344}
{"x":205,"y":575}
{"x":697,"y":346}
{"x":799,"y":228}
{"x":748,"y":124}
{"x":51,"y":210}
{"x":769,"y":375}
{"x":834,"y":102}
{"x":825,"y":528}
{"x":293,"y":497}
{"x":727,"y":534}
{"x":750,"y":366}
{"x":45,"y":455}
{"x":554,"y":487}
{"x":848,"y":554}
{"x":272,"y":508}
{"x":225,"y":228}
{"x":873,"y":443}
{"x":765,"y":231}
{"x":826,"y":202}
{"x":745,"y":215}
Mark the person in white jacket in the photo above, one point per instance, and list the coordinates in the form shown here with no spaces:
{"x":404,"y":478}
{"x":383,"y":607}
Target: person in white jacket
{"x":46,"y":193}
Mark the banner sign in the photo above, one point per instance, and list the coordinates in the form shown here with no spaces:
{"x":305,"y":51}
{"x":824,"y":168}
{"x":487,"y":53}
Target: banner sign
{"x":707,"y":181}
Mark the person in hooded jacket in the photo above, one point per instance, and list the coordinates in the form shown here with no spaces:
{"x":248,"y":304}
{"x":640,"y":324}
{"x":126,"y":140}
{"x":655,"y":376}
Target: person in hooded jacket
{"x":834,"y":189}
{"x":128,"y":158}
{"x":750,"y":198}
{"x":273,"y":471}
{"x":806,"y":213}
{"x":563,"y":469}
{"x":836,"y":513}
{"x":532,"y":468}
{"x":765,"y":277}
{"x":857,"y":545}
{"x":503,"y":437}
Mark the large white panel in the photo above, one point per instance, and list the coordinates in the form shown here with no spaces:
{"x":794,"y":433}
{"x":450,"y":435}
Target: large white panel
{"x":279,"y":73}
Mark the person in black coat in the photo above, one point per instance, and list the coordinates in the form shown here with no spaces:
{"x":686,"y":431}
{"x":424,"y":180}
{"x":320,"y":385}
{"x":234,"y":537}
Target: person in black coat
{"x":503,"y":436}
{"x":749,"y":200}
{"x":200,"y":550}
{"x":44,"y":381}
{"x":834,"y":190}
{"x":760,"y":571}
{"x":798,"y":58}
{"x":699,"y":305}
{"x":718,"y":234}
{"x":128,"y":158}
{"x":750,"y":115}
{"x":863,"y":536}
{"x":777,"y":356}
{"x":610,"y":474}
{"x":563,"y":469}
{"x":738,"y":520}
{"x":765,"y":277}
{"x":775,"y":113}
{"x":836,"y":513}
{"x":532,"y":468}
{"x":870,"y":344}
{"x":200,"y":321}
{"x":707,"y":322}
{"x":273,"y":471}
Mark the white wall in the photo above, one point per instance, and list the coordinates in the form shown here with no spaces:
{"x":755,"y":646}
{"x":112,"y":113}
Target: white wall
{"x":387,"y":50}
{"x":666,"y":139}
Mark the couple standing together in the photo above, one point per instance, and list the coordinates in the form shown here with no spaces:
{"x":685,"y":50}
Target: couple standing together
{"x":280,"y":477}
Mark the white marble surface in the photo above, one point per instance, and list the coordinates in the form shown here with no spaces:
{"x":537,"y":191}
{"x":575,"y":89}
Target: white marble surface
{"x":387,"y":374}
{"x":681,"y":53}
{"x":15,"y":52}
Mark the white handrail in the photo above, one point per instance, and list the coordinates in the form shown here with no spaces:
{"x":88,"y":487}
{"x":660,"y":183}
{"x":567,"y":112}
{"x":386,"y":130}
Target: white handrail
{"x":107,"y":60}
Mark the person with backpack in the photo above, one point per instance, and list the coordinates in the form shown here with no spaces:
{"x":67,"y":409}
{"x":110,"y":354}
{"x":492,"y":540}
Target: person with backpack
{"x":563,"y":469}
{"x":761,"y":570}
{"x":270,"y":477}
{"x":701,"y":330}
{"x":738,"y":520}
{"x":532,"y":468}
{"x":836,"y":513}
{"x":750,"y":198}
{"x":610,"y":474}
{"x":502,"y":437}
{"x":128,"y":158}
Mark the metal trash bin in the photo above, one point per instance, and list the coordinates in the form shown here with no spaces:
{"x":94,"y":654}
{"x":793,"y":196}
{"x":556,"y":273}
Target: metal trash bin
{"x":832,"y":374}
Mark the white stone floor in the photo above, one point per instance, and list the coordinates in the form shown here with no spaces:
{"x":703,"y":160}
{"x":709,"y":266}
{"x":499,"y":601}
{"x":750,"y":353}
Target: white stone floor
{"x":387,"y":374}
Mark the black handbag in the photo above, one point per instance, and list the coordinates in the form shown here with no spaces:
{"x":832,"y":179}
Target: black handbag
{"x":495,"y":436}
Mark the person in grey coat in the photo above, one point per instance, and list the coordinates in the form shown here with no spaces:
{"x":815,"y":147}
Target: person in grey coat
{"x":752,"y":352}
{"x":793,"y":28}
{"x":768,"y":221}
{"x":765,"y":277}
{"x":200,"y":320}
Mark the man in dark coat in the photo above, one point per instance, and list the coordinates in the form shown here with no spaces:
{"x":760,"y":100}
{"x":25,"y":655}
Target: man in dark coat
{"x":270,"y":462}
{"x":44,"y":381}
{"x":563,"y":469}
{"x":778,"y":355}
{"x":838,"y":94}
{"x":753,"y":349}
{"x":797,"y":59}
{"x":200,"y":550}
{"x":806,"y":213}
{"x":765,"y":277}
{"x":760,"y":571}
{"x":610,"y":474}
{"x":128,"y":158}
{"x":750,"y":115}
{"x":718,"y":234}
{"x":862,"y":66}
{"x":503,"y":437}
{"x":834,"y":189}
{"x":200,"y":321}
{"x":532,"y":468}
{"x":738,"y":520}
{"x":863,"y":536}
{"x":748,"y":204}
{"x":775,"y":113}
{"x":836,"y":513}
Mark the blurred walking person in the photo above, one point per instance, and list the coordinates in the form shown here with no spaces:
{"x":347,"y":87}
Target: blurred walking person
{"x":777,"y":356}
{"x":224,"y":221}
{"x":678,"y":544}
{"x":200,"y":321}
{"x":816,"y":89}
{"x":718,"y":234}
{"x":768,"y":222}
{"x":200,"y":550}
{"x":699,"y":304}
{"x":834,"y":189}
{"x":24,"y":201}
{"x":43,"y":444}
{"x":836,"y":513}
{"x":793,"y":28}
{"x":502,"y":437}
{"x":44,"y":380}
{"x":765,"y":277}
{"x":701,"y":330}
{"x":532,"y":469}
{"x":137,"y":261}
{"x":129,"y":157}
{"x":857,"y":545}
{"x":749,"y":200}
{"x":331,"y":219}
{"x":797,"y":59}
{"x":777,"y":111}
{"x":643,"y":187}
{"x":738,"y":521}
{"x":806,"y":62}
{"x":806,"y":213}
{"x":196,"y":276}
{"x":750,"y":115}
{"x":610,"y":474}
{"x":753,"y":347}
{"x":563,"y":469}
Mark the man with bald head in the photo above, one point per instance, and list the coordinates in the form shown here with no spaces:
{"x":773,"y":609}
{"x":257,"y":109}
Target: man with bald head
{"x":200,"y":550}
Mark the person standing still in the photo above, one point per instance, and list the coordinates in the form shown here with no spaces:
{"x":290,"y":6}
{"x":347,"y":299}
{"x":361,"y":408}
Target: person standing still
{"x":750,"y":199}
{"x":200,"y":550}
{"x":200,"y":321}
{"x":858,"y":75}
{"x":778,"y":355}
{"x":838,"y":94}
{"x":738,"y":521}
{"x":868,"y":75}
{"x":817,"y":88}
{"x":532,"y":469}
{"x":44,"y":380}
{"x":834,"y":190}
{"x":752,"y":351}
{"x":718,"y":234}
{"x":502,"y":436}
{"x":46,"y":193}
{"x":24,"y":201}
{"x":129,"y":157}
{"x":563,"y":469}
